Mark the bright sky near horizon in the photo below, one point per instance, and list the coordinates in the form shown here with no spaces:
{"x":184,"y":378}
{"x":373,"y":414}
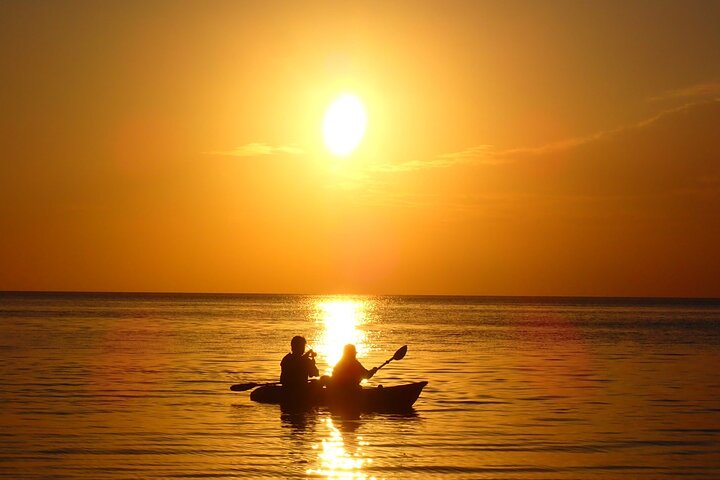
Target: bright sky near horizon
{"x":510,"y":148}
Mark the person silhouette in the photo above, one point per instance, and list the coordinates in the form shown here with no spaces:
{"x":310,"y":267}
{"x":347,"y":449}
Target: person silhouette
{"x":349,"y":372}
{"x":297,"y":366}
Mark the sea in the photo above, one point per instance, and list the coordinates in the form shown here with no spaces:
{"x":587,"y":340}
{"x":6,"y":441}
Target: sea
{"x":137,"y":386}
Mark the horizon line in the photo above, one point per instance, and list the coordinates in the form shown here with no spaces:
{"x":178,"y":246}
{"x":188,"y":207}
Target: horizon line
{"x":417,"y":295}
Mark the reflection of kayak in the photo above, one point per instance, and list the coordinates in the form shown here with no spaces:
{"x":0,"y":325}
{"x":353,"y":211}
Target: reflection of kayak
{"x":369,"y":399}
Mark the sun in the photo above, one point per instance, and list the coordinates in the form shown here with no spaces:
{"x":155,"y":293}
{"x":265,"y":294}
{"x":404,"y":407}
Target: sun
{"x":344,"y":125}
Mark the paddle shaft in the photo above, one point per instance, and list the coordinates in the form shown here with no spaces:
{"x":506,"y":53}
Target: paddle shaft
{"x":386,"y":362}
{"x":399,"y":355}
{"x":241,"y":387}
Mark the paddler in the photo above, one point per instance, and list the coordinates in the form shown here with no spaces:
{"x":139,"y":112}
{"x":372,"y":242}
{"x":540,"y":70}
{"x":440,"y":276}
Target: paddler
{"x":297,"y":366}
{"x":349,"y":372}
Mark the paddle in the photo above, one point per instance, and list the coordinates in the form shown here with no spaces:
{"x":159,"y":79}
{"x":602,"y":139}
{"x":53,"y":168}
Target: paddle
{"x":241,"y":387}
{"x":399,"y":355}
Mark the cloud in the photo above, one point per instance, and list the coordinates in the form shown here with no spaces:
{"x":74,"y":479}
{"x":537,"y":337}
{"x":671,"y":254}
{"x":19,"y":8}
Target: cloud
{"x":487,"y":155}
{"x":669,"y":162}
{"x":482,"y":151}
{"x":672,"y":150}
{"x":706,"y":89}
{"x":414,"y":165}
{"x":477,"y":154}
{"x":259,"y":150}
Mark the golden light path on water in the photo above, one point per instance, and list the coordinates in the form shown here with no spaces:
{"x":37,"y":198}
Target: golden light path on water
{"x":342,"y":321}
{"x":335,"y":460}
{"x":342,"y":324}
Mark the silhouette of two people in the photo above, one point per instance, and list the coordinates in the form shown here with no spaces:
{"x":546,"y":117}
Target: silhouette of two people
{"x":298,"y":366}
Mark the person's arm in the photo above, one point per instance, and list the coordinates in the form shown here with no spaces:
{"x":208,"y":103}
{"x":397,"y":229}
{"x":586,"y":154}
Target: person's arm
{"x":282,"y":371}
{"x":365,"y":372}
{"x":312,"y":369}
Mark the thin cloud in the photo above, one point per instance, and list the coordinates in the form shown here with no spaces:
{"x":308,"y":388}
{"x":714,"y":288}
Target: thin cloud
{"x":673,"y":150}
{"x":415,"y":165}
{"x":706,"y":89}
{"x":486,"y":155}
{"x":259,"y":150}
{"x":482,"y":153}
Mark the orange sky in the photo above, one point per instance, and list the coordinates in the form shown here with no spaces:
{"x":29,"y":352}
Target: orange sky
{"x":513,"y":148}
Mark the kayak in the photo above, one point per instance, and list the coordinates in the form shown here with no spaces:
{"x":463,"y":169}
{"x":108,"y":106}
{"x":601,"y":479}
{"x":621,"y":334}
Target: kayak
{"x":373,"y":399}
{"x":368,"y":399}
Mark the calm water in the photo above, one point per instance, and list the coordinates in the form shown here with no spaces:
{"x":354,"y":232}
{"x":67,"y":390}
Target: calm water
{"x":136,"y":386}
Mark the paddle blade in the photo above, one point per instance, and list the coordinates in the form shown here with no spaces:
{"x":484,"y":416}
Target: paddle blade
{"x":400,"y":354}
{"x":242,"y":387}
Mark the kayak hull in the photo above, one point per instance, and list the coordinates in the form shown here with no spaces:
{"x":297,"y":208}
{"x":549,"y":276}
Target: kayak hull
{"x":368,"y":399}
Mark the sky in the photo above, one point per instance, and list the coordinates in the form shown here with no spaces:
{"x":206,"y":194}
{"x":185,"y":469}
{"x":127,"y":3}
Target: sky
{"x":512,"y":148}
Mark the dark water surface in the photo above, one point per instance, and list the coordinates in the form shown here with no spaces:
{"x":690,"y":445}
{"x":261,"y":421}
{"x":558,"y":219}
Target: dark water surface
{"x":102,"y":386}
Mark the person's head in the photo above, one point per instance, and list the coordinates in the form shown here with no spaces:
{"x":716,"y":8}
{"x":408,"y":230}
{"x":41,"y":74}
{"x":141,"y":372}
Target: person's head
{"x":297,"y":344}
{"x":349,"y":351}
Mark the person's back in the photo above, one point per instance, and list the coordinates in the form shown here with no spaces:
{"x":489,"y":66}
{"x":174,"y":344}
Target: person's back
{"x":297,"y":366}
{"x":349,"y":372}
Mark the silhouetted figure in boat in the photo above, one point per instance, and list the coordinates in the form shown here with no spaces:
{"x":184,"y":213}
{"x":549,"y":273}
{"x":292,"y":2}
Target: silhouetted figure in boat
{"x":349,"y":372}
{"x":298,"y":365}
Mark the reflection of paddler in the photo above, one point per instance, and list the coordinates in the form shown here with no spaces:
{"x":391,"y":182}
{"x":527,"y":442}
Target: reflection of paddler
{"x":349,"y":372}
{"x":298,"y":365}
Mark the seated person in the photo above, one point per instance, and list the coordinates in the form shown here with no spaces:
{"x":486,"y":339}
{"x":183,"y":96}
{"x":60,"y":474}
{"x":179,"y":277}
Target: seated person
{"x":349,"y":372}
{"x":297,"y":366}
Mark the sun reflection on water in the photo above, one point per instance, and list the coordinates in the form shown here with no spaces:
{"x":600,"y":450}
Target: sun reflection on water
{"x":342,"y":324}
{"x":335,"y":460}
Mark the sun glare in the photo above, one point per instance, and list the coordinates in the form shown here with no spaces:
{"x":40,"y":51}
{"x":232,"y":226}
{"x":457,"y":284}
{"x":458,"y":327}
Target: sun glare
{"x":342,"y":321}
{"x":344,"y":125}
